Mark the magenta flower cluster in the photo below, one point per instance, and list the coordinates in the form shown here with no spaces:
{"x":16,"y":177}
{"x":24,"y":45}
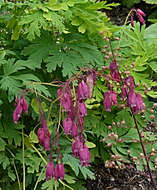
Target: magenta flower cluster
{"x":56,"y":172}
{"x":73,"y":124}
{"x":140,"y":14}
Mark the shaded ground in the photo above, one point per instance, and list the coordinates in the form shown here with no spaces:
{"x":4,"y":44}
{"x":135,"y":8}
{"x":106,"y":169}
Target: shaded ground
{"x":120,"y":179}
{"x":128,"y":178}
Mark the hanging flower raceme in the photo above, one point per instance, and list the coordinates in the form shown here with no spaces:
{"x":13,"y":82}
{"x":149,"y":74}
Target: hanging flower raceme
{"x":110,"y":98}
{"x":21,"y":105}
{"x":140,"y":14}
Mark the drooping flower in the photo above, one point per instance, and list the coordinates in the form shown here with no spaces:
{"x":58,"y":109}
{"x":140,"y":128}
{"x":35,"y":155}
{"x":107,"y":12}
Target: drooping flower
{"x":17,"y":113}
{"x":135,"y":102}
{"x":91,"y":77}
{"x":59,"y":171}
{"x":50,"y":170}
{"x":124,"y":91}
{"x":140,"y":15}
{"x":24,"y":105}
{"x":67,"y":125}
{"x":65,"y":98}
{"x":74,"y":130}
{"x":21,"y":105}
{"x":113,"y":66}
{"x":76,"y":145}
{"x":107,"y":101}
{"x":140,"y":12}
{"x":129,"y":81}
{"x":113,"y":70}
{"x":46,"y":143}
{"x":80,"y":120}
{"x":110,"y":98}
{"x":82,"y":108}
{"x":82,"y":90}
{"x":41,"y":135}
{"x":84,"y":155}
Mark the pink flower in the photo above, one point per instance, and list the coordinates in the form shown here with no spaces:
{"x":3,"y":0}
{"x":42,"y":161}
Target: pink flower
{"x":76,"y":145}
{"x":84,"y":155}
{"x":113,"y":70}
{"x":82,"y":90}
{"x":80,"y":121}
{"x":124,"y":91}
{"x":140,"y":15}
{"x":24,"y":105}
{"x":140,"y":12}
{"x":17,"y":113}
{"x":113,"y":66}
{"x":110,"y":98}
{"x":91,"y":77}
{"x":74,"y":130}
{"x":129,"y":81}
{"x":41,"y":135}
{"x":82,"y":108}
{"x":59,"y":171}
{"x":65,"y":98}
{"x":135,"y":102}
{"x":50,"y":170}
{"x":21,"y":105}
{"x":67,"y":125}
{"x":46,"y":143}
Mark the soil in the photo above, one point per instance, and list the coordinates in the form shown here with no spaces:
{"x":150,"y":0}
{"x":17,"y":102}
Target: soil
{"x":128,"y":178}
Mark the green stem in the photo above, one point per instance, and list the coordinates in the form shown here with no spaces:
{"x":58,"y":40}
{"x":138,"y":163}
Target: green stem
{"x":18,"y":180}
{"x":23,"y":161}
{"x":38,"y":179}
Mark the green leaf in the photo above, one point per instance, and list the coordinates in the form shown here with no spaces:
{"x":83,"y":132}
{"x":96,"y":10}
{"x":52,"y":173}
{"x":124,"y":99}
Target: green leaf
{"x":90,"y":144}
{"x":2,"y":144}
{"x":72,"y":162}
{"x":35,"y":106}
{"x":11,"y":174}
{"x":36,"y":22}
{"x":82,"y":28}
{"x":151,"y":1}
{"x":33,"y":137}
{"x":49,"y":185}
{"x":86,"y":172}
{"x":69,"y":179}
{"x":150,"y":32}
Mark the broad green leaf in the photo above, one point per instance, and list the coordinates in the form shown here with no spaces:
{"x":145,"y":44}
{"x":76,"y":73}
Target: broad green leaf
{"x":150,"y":32}
{"x":151,"y":1}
